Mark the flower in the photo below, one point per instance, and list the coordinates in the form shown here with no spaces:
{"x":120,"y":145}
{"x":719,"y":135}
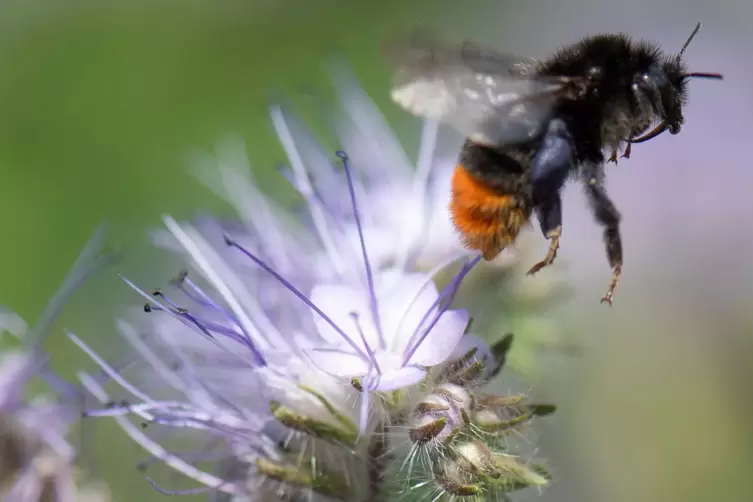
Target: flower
{"x":313,"y":358}
{"x":36,"y":461}
{"x":392,"y":342}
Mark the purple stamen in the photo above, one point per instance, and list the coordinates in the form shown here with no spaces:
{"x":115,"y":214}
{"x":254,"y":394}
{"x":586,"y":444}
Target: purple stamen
{"x":448,"y":293}
{"x":189,"y":320}
{"x":369,"y":276}
{"x":196,"y":298}
{"x":159,"y":293}
{"x":149,"y":298}
{"x":431,"y":275}
{"x":297,"y":293}
{"x":177,"y":415}
{"x":205,"y":300}
{"x":372,"y":356}
{"x":184,"y":317}
{"x":223,"y":330}
{"x":155,"y":449}
{"x":208,"y":327}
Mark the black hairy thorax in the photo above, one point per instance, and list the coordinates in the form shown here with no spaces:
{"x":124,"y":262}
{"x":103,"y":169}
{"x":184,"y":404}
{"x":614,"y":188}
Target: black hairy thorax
{"x":614,"y":109}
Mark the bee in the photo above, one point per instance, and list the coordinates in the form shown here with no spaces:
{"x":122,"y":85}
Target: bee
{"x":530,"y":126}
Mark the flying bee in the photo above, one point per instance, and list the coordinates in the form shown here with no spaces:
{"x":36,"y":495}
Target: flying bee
{"x":532,"y":125}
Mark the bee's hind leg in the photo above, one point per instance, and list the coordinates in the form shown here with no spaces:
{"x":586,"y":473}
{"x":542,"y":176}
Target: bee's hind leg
{"x":550,"y":220}
{"x":549,"y":170}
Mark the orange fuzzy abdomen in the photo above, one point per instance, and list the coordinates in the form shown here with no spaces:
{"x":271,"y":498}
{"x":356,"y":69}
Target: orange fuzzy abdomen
{"x":487,"y":220}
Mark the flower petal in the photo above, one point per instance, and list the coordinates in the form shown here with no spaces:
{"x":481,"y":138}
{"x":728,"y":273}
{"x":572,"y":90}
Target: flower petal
{"x":442,"y":339}
{"x":339,"y":303}
{"x":404,"y":377}
{"x":338,"y":362}
{"x":403,"y":307}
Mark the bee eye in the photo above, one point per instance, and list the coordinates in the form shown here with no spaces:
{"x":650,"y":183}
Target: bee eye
{"x":645,"y":77}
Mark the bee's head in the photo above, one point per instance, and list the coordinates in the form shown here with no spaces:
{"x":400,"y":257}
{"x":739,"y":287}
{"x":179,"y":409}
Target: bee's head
{"x":663,"y":85}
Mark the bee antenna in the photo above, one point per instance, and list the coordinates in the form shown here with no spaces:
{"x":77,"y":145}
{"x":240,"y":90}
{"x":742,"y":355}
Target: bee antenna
{"x":690,"y":38}
{"x":716,"y":76}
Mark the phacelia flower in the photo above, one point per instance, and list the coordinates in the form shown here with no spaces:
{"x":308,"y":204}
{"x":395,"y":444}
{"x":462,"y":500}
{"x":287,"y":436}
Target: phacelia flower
{"x":36,"y":461}
{"x":305,"y":355}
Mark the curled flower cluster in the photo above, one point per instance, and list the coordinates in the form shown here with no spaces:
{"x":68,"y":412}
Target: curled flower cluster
{"x":457,"y":441}
{"x":315,"y":354}
{"x":36,"y":461}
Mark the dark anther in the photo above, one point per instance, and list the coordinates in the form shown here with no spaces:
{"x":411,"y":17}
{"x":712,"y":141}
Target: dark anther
{"x":147,"y":308}
{"x":157,"y":292}
{"x":177,"y":281}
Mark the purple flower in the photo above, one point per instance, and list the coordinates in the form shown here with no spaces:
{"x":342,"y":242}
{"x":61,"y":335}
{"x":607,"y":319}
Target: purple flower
{"x":37,"y":461}
{"x":296,"y":338}
{"x":393,"y":348}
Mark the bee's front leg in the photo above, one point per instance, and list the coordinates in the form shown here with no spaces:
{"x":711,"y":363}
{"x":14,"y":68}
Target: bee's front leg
{"x":608,"y":217}
{"x":625,"y":153}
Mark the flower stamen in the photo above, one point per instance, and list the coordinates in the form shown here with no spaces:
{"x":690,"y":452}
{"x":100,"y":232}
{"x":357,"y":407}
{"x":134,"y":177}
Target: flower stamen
{"x":369,"y":350}
{"x":445,"y":297}
{"x":369,"y":274}
{"x":230,"y":242}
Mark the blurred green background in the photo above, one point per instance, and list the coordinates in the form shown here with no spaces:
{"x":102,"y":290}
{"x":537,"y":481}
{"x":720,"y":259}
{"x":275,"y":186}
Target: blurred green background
{"x":100,"y":102}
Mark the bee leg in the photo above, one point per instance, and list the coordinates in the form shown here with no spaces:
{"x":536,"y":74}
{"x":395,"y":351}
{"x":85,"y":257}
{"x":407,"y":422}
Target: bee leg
{"x":549,"y":169}
{"x":550,"y":220}
{"x":613,"y":157}
{"x":609,"y":217}
{"x":625,"y":154}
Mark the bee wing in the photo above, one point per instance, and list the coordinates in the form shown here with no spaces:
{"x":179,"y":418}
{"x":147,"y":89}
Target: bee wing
{"x":491,"y":97}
